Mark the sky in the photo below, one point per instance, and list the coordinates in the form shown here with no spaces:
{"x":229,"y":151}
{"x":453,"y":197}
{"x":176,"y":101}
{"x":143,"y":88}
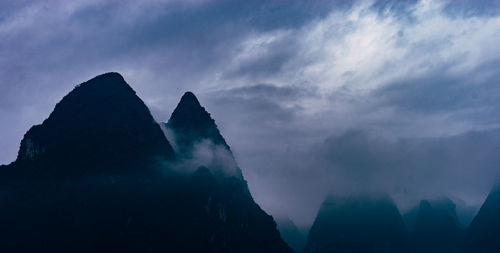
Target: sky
{"x":314,"y":97}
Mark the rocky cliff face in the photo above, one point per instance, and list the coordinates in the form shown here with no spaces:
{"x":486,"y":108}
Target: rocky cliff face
{"x":97,"y":176}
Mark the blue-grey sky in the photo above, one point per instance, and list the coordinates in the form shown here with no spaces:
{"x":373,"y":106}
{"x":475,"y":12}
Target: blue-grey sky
{"x":312,"y":96}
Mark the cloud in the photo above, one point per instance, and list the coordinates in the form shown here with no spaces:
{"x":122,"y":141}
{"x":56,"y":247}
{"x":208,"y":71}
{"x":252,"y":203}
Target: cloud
{"x":310,"y":96}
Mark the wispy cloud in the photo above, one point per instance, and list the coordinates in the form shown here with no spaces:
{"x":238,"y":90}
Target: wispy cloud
{"x":283,"y":80}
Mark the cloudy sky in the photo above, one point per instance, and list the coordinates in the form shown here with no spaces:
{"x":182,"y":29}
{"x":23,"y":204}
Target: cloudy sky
{"x":313,"y":97}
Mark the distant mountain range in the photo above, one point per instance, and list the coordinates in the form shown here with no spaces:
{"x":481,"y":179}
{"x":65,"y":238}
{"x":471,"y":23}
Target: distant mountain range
{"x":100,"y":175}
{"x":371,"y":223}
{"x":357,"y":224}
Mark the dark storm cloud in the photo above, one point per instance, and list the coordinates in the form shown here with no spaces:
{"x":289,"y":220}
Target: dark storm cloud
{"x":48,"y":47}
{"x":313,"y":97}
{"x":441,"y":92}
{"x":270,"y":107}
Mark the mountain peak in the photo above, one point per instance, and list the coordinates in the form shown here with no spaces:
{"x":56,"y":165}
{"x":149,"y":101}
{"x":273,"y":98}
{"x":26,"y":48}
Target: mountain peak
{"x":191,"y":124}
{"x":436,"y":227}
{"x":358,"y":223}
{"x":94,"y":125}
{"x":189,"y":99}
{"x":105,"y":82}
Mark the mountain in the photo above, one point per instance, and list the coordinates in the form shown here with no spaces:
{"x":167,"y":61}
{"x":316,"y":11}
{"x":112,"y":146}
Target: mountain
{"x":99,"y":126}
{"x":465,"y":212}
{"x":192,"y":123}
{"x":483,"y":234}
{"x":436,"y":227}
{"x":98,"y":175}
{"x":291,"y":234}
{"x":223,"y":191}
{"x":410,"y":217}
{"x":357,"y":224}
{"x":197,"y":138}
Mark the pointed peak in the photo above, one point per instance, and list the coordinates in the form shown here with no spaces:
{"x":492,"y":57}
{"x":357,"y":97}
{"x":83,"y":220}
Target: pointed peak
{"x":189,"y":110}
{"x":189,"y":97}
{"x":93,"y":119}
{"x":189,"y":106}
{"x":192,"y":123}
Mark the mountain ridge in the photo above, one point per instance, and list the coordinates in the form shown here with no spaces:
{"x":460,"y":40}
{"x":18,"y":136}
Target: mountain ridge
{"x":97,"y":176}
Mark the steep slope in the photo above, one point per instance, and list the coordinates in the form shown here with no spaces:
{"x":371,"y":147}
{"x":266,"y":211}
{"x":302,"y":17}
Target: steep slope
{"x":357,"y":224}
{"x":100,"y":125}
{"x":96,"y":176}
{"x":192,"y":124}
{"x":84,"y":179}
{"x":223,"y":192}
{"x":437,"y":228}
{"x":291,"y":234}
{"x":483,"y":234}
{"x":410,"y":217}
{"x":197,"y":138}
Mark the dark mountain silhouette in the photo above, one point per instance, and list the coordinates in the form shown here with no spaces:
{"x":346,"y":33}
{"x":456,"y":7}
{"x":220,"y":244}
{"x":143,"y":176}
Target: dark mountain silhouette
{"x":483,"y":234}
{"x":437,"y":228}
{"x":357,"y":224}
{"x":465,"y":212}
{"x":99,"y":126}
{"x":96,"y":176}
{"x":410,"y":217}
{"x":224,"y":192}
{"x":291,"y":234}
{"x":192,"y":123}
{"x":195,"y":132}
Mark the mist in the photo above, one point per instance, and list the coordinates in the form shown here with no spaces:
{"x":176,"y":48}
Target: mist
{"x":330,"y":97}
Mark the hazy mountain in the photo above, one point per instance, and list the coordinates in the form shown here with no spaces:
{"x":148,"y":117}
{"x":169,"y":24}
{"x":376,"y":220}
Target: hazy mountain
{"x":192,"y":124}
{"x":465,"y":212}
{"x":410,"y":217}
{"x":483,"y":234}
{"x":97,"y":176}
{"x":291,"y":234}
{"x":357,"y":224}
{"x":223,"y":191}
{"x":436,"y":227}
{"x":197,"y":139}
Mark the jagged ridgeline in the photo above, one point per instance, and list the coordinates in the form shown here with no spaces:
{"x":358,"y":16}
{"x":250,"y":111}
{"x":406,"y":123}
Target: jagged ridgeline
{"x":97,"y":176}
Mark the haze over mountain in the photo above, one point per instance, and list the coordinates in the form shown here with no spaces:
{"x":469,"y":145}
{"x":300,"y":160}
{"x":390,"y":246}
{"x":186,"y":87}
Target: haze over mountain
{"x":484,"y":231}
{"x":314,"y":97}
{"x":437,"y":228}
{"x":291,"y":234}
{"x":408,"y":87}
{"x":198,"y":140}
{"x":97,"y":176}
{"x":363,"y":223}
